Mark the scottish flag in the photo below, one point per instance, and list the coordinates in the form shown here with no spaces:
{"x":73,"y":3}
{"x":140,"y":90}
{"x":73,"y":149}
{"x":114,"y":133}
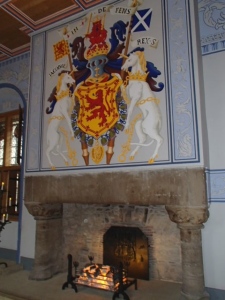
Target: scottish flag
{"x":141,"y":20}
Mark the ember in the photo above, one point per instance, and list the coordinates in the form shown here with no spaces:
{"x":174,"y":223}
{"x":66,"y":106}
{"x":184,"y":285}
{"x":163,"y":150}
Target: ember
{"x":101,"y":276}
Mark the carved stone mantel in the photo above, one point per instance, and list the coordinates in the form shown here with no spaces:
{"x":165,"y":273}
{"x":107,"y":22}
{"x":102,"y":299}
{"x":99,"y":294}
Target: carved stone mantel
{"x":181,"y":191}
{"x":190,"y":222}
{"x":192,"y":215}
{"x":44,"y":210}
{"x":48,"y":238}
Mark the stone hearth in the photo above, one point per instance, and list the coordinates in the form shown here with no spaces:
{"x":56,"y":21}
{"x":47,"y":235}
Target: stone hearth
{"x":72,"y":213}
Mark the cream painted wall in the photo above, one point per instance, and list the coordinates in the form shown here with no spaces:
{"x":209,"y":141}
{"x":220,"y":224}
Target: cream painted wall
{"x":9,"y":236}
{"x":214,"y":247}
{"x":214,"y":231}
{"x":28,"y":233}
{"x":214,"y":85}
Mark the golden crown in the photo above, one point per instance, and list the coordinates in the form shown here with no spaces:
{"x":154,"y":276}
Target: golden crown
{"x":137,"y":76}
{"x":97,"y":49}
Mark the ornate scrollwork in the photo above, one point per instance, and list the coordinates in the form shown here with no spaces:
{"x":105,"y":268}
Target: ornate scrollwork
{"x":45,"y":211}
{"x":188,"y":215}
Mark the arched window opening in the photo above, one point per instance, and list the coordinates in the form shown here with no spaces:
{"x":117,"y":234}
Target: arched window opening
{"x":11,"y":140}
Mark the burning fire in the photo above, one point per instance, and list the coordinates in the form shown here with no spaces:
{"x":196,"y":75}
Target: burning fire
{"x":100,"y":276}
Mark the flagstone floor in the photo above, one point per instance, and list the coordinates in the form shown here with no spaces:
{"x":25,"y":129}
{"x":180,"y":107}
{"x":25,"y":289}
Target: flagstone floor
{"x":17,"y":286}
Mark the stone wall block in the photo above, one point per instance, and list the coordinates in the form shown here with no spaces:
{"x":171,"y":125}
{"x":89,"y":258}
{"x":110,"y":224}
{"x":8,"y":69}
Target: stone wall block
{"x":166,"y":269}
{"x":47,"y":261}
{"x":190,"y":253}
{"x":191,"y":234}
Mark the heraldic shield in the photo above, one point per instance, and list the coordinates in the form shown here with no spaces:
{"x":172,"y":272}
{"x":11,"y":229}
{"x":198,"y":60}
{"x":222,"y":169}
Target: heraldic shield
{"x":98,"y":107}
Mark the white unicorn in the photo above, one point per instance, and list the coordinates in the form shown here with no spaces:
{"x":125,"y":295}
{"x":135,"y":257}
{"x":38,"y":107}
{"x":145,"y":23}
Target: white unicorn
{"x":61,"y":110}
{"x":140,"y":94}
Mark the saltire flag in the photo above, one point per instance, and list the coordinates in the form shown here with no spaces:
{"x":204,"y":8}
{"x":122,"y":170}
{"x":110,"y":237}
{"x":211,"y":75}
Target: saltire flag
{"x":141,"y":20}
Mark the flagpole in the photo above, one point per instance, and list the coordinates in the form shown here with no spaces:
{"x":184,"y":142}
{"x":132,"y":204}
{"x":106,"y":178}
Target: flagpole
{"x":69,"y":57}
{"x":89,"y":22}
{"x":128,"y":40}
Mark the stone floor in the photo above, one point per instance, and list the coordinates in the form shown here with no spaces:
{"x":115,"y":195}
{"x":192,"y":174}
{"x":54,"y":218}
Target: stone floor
{"x":17,"y":286}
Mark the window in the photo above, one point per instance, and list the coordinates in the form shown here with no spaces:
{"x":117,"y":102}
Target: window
{"x":10,"y":158}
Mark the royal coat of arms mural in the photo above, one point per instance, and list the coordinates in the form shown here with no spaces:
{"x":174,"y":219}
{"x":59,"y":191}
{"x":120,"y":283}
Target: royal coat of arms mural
{"x":104,"y":96}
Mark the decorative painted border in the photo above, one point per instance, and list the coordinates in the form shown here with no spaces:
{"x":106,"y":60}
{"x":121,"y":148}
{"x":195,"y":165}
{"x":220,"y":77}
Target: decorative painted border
{"x":183,"y":110}
{"x":35,"y":103}
{"x":16,"y":71}
{"x":212,"y":24}
{"x":216,"y":185}
{"x":14,"y":60}
{"x":216,"y":293}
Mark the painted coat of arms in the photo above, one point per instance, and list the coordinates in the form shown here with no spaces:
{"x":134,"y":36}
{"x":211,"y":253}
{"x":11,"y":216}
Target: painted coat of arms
{"x":103,"y":104}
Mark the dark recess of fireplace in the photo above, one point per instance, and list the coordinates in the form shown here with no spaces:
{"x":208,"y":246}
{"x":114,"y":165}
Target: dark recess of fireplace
{"x":128,"y":245}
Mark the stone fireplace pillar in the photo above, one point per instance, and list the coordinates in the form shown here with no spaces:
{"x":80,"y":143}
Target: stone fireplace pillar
{"x":48,"y":238}
{"x":190,"y":222}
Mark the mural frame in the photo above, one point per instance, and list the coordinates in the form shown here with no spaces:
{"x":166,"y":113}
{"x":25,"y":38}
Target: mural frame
{"x":183,"y":144}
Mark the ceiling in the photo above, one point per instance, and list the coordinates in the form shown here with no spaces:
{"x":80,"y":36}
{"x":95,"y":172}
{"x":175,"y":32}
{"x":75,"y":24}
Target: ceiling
{"x":22,"y":17}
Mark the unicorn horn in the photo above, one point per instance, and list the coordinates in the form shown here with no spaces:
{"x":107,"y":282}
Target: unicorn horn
{"x":122,"y":55}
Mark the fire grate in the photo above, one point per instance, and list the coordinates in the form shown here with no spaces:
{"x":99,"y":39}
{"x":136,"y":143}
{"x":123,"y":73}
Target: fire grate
{"x":104,"y":277}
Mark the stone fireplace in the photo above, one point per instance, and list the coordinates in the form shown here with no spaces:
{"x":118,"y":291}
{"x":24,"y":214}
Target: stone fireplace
{"x":73,"y":212}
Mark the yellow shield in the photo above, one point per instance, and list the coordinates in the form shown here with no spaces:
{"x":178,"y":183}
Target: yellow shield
{"x":98,"y":109}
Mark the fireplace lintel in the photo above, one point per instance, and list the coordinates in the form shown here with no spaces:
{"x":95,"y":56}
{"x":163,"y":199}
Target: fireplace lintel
{"x":181,"y":187}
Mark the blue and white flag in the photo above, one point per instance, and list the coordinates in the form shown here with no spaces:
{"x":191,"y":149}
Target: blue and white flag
{"x":142,"y":20}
